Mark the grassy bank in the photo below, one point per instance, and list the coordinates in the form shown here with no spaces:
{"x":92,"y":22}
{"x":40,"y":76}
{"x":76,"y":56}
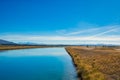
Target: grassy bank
{"x":12,"y":47}
{"x":96,"y":63}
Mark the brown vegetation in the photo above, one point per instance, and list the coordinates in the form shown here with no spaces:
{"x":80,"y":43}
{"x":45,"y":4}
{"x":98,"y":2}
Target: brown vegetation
{"x":11,"y":47}
{"x":96,"y":63}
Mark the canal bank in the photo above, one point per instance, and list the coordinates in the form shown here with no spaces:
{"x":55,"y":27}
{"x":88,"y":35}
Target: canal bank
{"x":84,"y":71}
{"x":79,"y":73}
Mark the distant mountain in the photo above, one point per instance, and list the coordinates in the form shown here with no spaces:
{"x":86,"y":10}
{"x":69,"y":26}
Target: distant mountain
{"x":26,"y":43}
{"x":29,"y":43}
{"x":4,"y":42}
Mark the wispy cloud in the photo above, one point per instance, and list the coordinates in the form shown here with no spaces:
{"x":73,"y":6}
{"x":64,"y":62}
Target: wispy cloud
{"x":106,"y":34}
{"x":83,"y":31}
{"x":50,"y":38}
{"x":115,"y":29}
{"x":88,"y":31}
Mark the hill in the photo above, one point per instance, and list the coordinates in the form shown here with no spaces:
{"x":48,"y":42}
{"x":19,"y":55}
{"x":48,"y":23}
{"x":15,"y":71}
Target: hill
{"x":4,"y":42}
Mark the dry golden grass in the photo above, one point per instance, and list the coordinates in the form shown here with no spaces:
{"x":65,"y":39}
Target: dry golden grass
{"x":11,"y":47}
{"x":100,"y":63}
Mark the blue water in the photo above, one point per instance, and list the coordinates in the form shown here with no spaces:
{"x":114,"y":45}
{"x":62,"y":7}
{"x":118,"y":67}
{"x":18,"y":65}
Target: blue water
{"x":36,"y":64}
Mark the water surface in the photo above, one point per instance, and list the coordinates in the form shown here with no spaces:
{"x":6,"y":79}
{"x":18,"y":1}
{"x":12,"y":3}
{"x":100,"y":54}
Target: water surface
{"x":36,"y":64}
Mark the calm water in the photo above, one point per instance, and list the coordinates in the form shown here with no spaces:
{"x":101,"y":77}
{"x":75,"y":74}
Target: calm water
{"x":36,"y":64}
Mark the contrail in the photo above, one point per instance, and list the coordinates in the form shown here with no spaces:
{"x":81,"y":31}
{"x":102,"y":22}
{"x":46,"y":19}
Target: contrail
{"x":83,"y":31}
{"x":89,"y":30}
{"x":111,"y":30}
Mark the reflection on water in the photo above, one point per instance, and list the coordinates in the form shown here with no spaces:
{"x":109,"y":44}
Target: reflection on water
{"x":34,"y":52}
{"x":36,"y":64}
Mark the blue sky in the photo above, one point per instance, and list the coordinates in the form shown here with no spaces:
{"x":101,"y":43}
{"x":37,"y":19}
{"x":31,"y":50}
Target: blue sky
{"x":60,"y":21}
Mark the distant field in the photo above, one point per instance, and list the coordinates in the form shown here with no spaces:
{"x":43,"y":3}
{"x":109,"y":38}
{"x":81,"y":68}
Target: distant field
{"x":96,"y":63}
{"x":11,"y":47}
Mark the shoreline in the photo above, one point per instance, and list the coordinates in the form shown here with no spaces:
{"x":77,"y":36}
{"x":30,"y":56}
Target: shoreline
{"x":75,"y":65}
{"x":15,"y":47}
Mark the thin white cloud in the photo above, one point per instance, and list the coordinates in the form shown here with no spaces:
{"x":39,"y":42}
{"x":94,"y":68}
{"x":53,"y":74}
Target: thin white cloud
{"x":86,"y":30}
{"x":73,"y":37}
{"x":38,"y":38}
{"x":83,"y":31}
{"x":63,"y":39}
{"x":61,"y":31}
{"x":105,"y":32}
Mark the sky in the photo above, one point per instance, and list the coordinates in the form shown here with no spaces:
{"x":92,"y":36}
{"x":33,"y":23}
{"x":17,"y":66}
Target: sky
{"x":60,"y":21}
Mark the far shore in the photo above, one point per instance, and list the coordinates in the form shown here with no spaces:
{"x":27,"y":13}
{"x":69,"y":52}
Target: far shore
{"x":13,"y":47}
